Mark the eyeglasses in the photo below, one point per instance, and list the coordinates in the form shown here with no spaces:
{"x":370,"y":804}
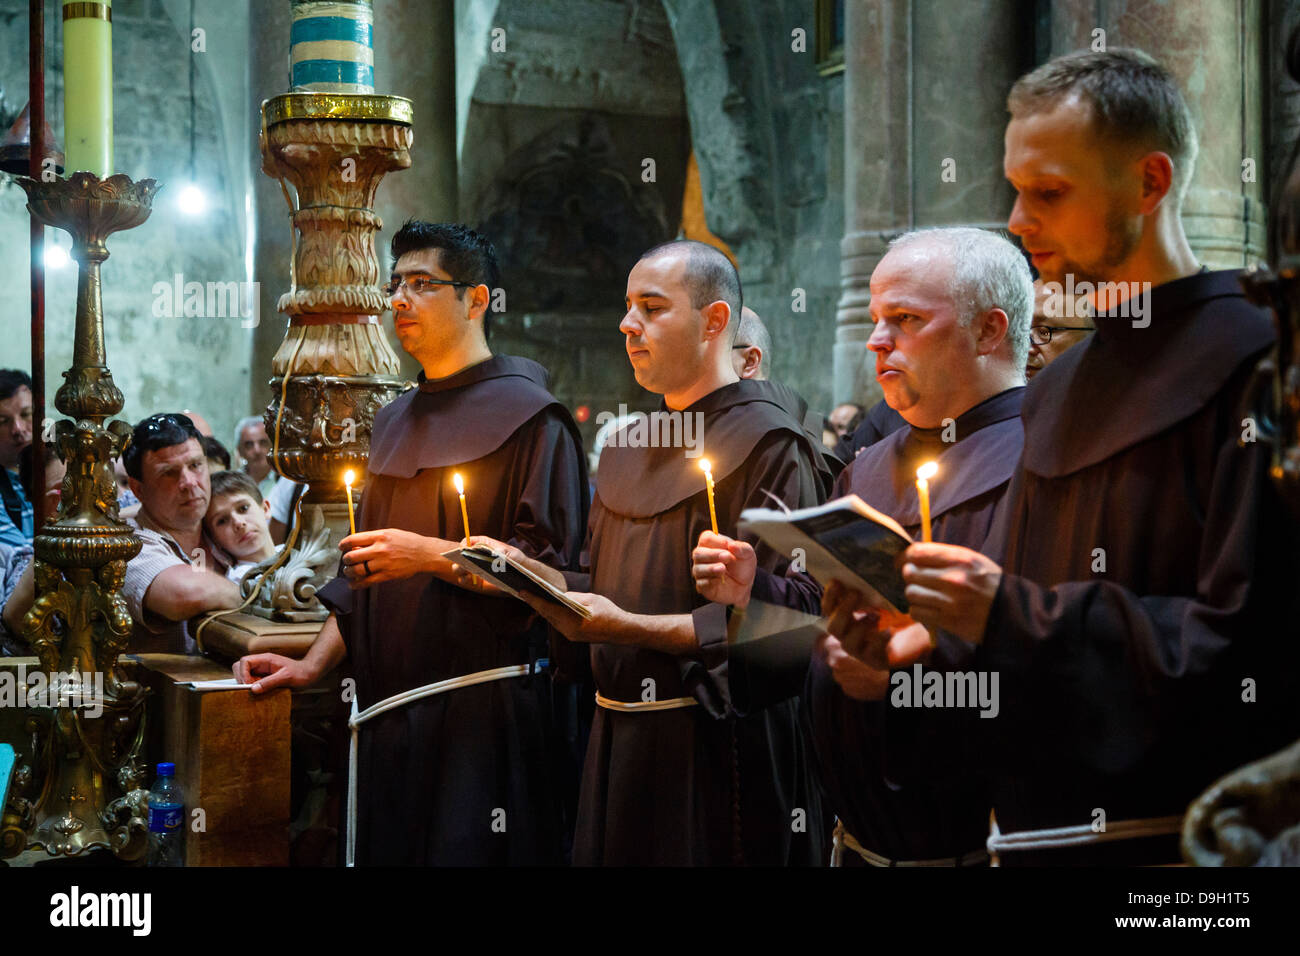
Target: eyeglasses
{"x":1042,"y":334}
{"x":419,"y":285}
{"x":735,"y":348}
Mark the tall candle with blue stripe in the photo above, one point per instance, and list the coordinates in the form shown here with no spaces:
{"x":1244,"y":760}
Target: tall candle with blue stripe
{"x":331,"y":46}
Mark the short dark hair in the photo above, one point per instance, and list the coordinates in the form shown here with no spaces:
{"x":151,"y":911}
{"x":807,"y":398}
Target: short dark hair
{"x":214,"y":449}
{"x":12,"y":379}
{"x":710,"y":276}
{"x":465,"y":255}
{"x":233,"y":483}
{"x":157,"y":431}
{"x":1134,"y":100}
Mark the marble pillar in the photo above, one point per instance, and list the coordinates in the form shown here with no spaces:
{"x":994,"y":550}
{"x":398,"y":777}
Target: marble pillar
{"x":924,"y":108}
{"x":1223,"y":83}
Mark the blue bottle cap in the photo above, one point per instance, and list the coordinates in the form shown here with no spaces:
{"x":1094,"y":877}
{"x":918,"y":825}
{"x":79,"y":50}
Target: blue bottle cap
{"x":166,"y":769}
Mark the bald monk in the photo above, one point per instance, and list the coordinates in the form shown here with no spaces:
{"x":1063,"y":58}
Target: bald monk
{"x":675,"y":775}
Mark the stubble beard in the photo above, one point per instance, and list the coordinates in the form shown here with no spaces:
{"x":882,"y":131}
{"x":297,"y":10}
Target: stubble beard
{"x":1121,"y":241}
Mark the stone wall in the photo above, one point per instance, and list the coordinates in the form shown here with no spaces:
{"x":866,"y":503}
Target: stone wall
{"x":161,"y":363}
{"x":731,"y":81}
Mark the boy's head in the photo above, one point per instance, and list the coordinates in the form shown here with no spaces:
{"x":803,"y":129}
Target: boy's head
{"x":237,"y":515}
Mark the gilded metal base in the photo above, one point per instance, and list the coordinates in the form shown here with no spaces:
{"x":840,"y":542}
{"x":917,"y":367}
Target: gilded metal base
{"x":80,"y":784}
{"x":360,"y":107}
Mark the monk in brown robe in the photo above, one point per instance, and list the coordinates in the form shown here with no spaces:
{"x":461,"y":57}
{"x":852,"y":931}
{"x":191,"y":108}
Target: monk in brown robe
{"x":674,"y":774}
{"x":1137,"y":609}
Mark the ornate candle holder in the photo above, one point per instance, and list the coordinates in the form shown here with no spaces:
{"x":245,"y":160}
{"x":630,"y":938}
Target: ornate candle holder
{"x":335,"y":368}
{"x":80,"y":756}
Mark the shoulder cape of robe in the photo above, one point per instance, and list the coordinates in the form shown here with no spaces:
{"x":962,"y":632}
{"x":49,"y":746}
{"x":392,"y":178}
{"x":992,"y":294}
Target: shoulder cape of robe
{"x":904,"y":781}
{"x":694,"y":786}
{"x":1147,"y":574}
{"x":434,"y":774}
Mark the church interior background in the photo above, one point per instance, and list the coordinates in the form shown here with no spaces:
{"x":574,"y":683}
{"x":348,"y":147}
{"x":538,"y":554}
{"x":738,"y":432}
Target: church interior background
{"x":796,"y":134}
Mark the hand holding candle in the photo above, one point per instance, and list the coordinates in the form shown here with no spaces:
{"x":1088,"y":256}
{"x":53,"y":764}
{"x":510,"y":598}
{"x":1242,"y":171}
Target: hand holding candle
{"x":464,"y":512}
{"x":350,"y":476}
{"x":923,"y":476}
{"x":708,"y":483}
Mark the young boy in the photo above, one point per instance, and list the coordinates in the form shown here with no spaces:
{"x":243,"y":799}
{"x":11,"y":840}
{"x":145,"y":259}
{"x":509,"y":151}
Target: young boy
{"x":236,"y":520}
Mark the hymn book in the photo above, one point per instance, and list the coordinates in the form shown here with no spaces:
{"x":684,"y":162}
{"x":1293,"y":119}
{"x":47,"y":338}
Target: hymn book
{"x":511,"y":576}
{"x":844,"y":540}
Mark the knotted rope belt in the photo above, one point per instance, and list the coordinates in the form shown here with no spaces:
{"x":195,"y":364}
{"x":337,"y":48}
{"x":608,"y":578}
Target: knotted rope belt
{"x":645,"y":705}
{"x":401,"y":700}
{"x":843,"y":838}
{"x":1080,"y":835}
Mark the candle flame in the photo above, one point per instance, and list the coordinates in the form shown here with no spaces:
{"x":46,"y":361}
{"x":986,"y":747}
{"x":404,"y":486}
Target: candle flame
{"x":927,"y":471}
{"x":705,"y":466}
{"x":460,"y":485}
{"x":349,"y":476}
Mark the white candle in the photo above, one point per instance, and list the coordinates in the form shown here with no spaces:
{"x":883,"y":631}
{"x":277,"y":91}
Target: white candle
{"x":349,"y":476}
{"x":923,"y":476}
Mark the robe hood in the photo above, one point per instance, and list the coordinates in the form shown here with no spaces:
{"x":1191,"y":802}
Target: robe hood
{"x":1126,"y":385}
{"x":641,"y":482}
{"x":984,"y":455}
{"x":445,"y":422}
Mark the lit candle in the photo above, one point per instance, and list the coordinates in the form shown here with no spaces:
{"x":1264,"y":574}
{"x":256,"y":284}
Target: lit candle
{"x":464,"y":512}
{"x":88,"y":87}
{"x":708,"y":483}
{"x":349,"y":476}
{"x":923,"y":476}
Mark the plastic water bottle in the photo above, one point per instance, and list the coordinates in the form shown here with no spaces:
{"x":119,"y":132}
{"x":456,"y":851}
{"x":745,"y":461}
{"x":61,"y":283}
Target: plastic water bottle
{"x":166,"y":819}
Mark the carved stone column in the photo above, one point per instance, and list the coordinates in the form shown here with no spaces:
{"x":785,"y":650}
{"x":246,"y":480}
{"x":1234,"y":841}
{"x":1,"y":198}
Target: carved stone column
{"x":925,"y":87}
{"x":335,"y":368}
{"x":1223,"y":81}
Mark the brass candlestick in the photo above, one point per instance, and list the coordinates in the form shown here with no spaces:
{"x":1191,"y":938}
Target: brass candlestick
{"x":79,"y":624}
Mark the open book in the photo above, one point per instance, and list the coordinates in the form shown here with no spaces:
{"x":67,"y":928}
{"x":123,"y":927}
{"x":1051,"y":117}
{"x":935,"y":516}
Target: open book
{"x":845,"y":540}
{"x":511,"y":576}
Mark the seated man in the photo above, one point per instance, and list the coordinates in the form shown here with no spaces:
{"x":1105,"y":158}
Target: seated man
{"x":236,"y":521}
{"x":169,"y":581}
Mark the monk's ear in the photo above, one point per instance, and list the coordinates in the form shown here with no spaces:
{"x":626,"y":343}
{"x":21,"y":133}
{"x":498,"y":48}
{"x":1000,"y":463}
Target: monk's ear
{"x":479,"y":297}
{"x":1157,"y":180}
{"x":716,"y":316}
{"x":990,"y":331}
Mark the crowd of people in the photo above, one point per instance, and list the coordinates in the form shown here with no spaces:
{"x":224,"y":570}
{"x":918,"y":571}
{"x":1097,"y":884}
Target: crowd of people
{"x":1108,"y":559}
{"x":201,"y":524}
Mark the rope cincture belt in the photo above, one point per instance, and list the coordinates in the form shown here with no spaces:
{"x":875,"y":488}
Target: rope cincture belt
{"x":1081,"y":835}
{"x":843,"y":838}
{"x":672,"y":703}
{"x":401,"y":700}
